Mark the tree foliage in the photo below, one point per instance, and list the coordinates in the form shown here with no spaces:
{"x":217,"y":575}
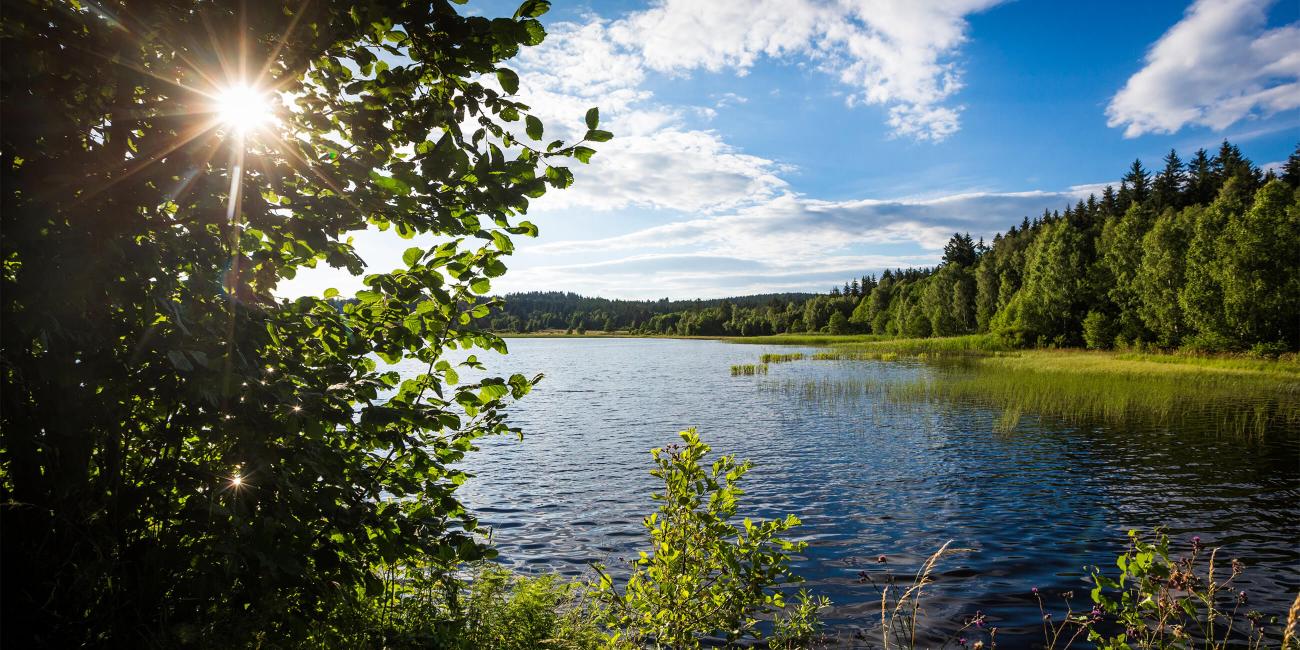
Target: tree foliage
{"x":185,"y":457}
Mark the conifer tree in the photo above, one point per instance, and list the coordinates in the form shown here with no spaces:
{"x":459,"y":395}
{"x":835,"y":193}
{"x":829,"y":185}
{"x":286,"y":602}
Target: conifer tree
{"x":1168,"y":184}
{"x":1138,"y":180}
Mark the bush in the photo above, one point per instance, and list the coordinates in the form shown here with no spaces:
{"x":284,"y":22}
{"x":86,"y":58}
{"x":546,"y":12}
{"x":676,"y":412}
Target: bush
{"x":704,"y":575}
{"x":1098,"y":331}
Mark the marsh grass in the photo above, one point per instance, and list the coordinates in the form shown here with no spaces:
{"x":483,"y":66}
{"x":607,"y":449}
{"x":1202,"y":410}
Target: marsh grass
{"x":748,"y":369}
{"x":781,"y":358}
{"x":1232,"y":394}
{"x":1080,"y":388}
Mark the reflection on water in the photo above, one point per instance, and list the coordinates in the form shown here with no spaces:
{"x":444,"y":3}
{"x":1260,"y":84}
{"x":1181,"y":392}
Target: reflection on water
{"x":1036,"y":505}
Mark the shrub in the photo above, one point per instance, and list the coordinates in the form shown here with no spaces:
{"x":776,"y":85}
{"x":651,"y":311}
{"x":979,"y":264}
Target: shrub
{"x":1098,"y":331}
{"x":705,"y":574}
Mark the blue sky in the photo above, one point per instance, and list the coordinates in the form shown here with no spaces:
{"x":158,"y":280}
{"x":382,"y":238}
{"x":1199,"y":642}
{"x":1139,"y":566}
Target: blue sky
{"x":781,"y":145}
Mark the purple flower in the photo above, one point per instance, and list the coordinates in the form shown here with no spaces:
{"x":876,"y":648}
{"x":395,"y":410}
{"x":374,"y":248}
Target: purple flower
{"x":1035,"y":591}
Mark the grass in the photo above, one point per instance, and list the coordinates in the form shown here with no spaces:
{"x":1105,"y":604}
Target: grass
{"x":1235,"y":394}
{"x":781,"y":358}
{"x":749,"y":369}
{"x":1087,"y":387}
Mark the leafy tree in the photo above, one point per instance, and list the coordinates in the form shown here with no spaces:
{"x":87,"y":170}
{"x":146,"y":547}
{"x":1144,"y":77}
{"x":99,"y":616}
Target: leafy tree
{"x":838,"y":323}
{"x":239,"y":468}
{"x":1048,"y":309}
{"x":986,"y":290}
{"x":1160,"y":275}
{"x":1122,"y":259}
{"x":1260,"y":268}
{"x":1202,"y":295}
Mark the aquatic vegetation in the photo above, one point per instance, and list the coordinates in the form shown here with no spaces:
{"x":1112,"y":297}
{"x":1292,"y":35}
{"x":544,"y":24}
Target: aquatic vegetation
{"x":1158,"y":600}
{"x":773,"y":357}
{"x":749,"y":369}
{"x":1080,"y":388}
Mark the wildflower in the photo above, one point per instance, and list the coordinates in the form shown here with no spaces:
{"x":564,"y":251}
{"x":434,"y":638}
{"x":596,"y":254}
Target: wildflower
{"x":961,"y":642}
{"x":881,"y":559}
{"x":978,"y":645}
{"x":1035,"y":591}
{"x":1241,"y":598}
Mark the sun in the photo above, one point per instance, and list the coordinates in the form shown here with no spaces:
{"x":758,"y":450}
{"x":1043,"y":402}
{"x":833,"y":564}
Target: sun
{"x":243,"y":108}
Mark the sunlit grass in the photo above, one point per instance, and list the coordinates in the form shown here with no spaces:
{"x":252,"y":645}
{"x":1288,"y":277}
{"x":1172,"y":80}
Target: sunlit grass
{"x":749,"y":369}
{"x":1232,"y":394}
{"x":781,"y":358}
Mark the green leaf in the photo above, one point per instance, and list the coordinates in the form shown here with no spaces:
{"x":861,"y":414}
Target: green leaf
{"x":390,"y":184}
{"x":533,"y":8}
{"x":593,"y":117}
{"x":508,"y":79}
{"x":331,"y":293}
{"x":480,"y":286}
{"x":412,"y":255}
{"x":596,"y":135}
{"x":583,"y":154}
{"x":534,"y":127}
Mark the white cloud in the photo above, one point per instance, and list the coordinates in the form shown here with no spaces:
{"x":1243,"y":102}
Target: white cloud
{"x":1219,"y":65}
{"x":793,"y":227}
{"x":894,"y":53}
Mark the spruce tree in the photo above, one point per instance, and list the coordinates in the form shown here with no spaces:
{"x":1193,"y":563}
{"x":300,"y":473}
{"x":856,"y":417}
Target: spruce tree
{"x":1168,"y":185}
{"x":1138,"y":180}
{"x":1291,"y":169}
{"x":1201,"y":182}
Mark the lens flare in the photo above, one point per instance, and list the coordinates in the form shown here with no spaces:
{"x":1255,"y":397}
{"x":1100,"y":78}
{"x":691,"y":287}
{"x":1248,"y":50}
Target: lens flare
{"x":243,"y":108}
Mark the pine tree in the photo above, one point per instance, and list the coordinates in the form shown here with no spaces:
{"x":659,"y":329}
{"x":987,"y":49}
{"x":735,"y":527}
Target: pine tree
{"x":1201,"y":182}
{"x":1291,"y":170}
{"x":960,"y":250}
{"x":1168,"y":185}
{"x":1139,"y":183}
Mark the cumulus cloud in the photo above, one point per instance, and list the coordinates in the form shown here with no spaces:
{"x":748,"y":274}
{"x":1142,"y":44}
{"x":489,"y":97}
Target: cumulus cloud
{"x":1219,"y":65}
{"x":894,"y":53}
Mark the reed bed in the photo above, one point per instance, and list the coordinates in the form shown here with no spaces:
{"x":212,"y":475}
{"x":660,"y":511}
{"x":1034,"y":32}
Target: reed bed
{"x":781,"y":358}
{"x":1081,"y":387}
{"x":748,"y":369}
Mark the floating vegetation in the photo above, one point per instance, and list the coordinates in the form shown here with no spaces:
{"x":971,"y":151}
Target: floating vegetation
{"x":749,"y":369}
{"x":781,"y":358}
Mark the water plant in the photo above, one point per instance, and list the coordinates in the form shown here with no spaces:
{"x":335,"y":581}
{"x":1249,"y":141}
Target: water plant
{"x":749,"y":369}
{"x":773,"y":357}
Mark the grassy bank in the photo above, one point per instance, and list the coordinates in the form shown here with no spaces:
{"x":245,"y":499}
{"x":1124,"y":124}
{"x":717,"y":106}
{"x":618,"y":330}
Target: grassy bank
{"x":1234,"y":394}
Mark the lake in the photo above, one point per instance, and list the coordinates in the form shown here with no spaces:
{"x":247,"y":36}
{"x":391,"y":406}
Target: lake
{"x":1035,"y":505}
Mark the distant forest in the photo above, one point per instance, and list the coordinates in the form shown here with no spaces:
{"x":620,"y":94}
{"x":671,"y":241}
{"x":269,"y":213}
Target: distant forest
{"x":1203,"y":254}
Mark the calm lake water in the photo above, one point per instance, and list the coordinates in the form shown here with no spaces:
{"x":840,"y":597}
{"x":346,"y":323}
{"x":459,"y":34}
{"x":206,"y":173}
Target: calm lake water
{"x":1035,"y":505}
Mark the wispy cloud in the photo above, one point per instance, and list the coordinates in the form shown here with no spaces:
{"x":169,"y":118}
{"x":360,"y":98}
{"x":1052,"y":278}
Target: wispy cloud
{"x":793,"y":227}
{"x":1219,"y":65}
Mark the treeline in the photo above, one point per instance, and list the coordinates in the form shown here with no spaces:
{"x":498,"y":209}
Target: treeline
{"x":554,"y":310}
{"x":1203,"y":254}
